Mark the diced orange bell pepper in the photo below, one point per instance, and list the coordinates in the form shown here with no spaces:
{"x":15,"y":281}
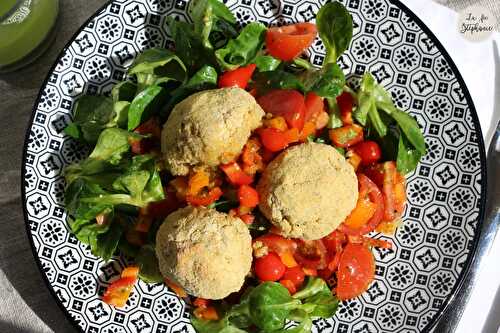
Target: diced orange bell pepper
{"x":201,"y":302}
{"x":292,"y":135}
{"x":310,"y":271}
{"x":346,"y":136}
{"x":309,"y":129}
{"x":277,"y":122}
{"x":175,"y":288}
{"x":118,"y":292}
{"x":197,"y":181}
{"x":131,"y":271}
{"x":353,"y":159}
{"x":208,"y":313}
{"x":288,"y":259}
{"x":361,"y":214}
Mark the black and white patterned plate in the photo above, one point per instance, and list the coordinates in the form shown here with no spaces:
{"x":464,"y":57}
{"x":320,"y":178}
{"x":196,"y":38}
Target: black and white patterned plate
{"x":446,"y":193}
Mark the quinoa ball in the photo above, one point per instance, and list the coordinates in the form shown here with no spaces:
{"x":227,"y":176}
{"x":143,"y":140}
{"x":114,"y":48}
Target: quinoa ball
{"x":209,"y":128}
{"x":206,"y":252}
{"x":308,"y":190}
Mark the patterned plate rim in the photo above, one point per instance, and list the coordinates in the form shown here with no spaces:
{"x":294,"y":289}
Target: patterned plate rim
{"x":422,"y":26}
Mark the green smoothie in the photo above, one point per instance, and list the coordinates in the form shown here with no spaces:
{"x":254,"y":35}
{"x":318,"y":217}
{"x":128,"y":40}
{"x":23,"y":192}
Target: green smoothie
{"x":25,"y":29}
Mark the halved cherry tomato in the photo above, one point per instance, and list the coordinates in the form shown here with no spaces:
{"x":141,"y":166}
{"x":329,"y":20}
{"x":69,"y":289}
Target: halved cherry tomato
{"x":286,"y":103}
{"x":356,"y":271}
{"x":345,"y":102}
{"x":369,"y":151}
{"x":269,"y":267}
{"x":346,"y":136}
{"x":290,"y":41}
{"x":204,"y":199}
{"x":248,"y":196}
{"x":295,"y":274}
{"x":277,"y":243}
{"x":367,"y":189}
{"x":289,"y":285}
{"x":311,"y":254}
{"x":314,"y":106}
{"x":335,"y":241}
{"x":273,"y":139}
{"x":238,"y":77}
{"x":235,"y":175}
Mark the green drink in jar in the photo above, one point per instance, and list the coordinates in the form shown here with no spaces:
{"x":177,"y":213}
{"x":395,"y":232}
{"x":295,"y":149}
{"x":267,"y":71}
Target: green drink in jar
{"x":26,"y":28}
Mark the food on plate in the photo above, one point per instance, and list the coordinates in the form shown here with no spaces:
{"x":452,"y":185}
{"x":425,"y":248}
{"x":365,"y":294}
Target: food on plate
{"x":206,"y":252}
{"x":262,"y":198}
{"x":209,"y":128}
{"x":308,"y":191}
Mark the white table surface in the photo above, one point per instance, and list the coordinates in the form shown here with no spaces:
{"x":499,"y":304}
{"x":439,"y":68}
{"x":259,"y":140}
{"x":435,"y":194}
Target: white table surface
{"x":479,"y":64}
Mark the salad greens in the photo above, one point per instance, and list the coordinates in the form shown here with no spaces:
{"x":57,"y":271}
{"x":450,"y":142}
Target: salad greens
{"x":335,"y":29}
{"x":397,"y":132}
{"x":269,"y":305}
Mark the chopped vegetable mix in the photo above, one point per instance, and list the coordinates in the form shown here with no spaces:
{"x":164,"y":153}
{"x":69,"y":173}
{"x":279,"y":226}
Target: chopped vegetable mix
{"x":121,"y":193}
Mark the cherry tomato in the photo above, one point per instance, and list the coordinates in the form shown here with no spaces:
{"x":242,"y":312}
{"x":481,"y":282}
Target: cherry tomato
{"x":151,"y":126}
{"x":356,"y":271}
{"x":346,"y":136}
{"x":269,"y":267}
{"x":369,"y":189}
{"x":290,"y":41}
{"x":289,"y":104}
{"x":273,"y":139}
{"x":295,"y":274}
{"x":248,"y":196}
{"x":311,"y":254}
{"x":235,"y":175}
{"x":292,"y":289}
{"x":238,"y":77}
{"x":369,"y":151}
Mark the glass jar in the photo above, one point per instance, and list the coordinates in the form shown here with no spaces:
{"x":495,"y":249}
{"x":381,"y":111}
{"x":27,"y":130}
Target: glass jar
{"x":26,"y":30}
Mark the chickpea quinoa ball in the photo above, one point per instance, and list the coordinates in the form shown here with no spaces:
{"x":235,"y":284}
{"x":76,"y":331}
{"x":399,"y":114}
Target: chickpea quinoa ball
{"x":206,"y":252}
{"x":308,"y":190}
{"x":209,"y":128}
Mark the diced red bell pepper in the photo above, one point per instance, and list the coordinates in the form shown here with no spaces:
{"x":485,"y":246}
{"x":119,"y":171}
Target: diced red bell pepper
{"x":248,"y":196}
{"x":205,"y":199}
{"x":235,"y":175}
{"x":238,"y":77}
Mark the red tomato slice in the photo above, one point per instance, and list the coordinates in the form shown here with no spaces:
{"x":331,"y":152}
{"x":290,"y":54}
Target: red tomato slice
{"x":273,"y":140}
{"x":238,"y":77}
{"x":367,"y":188}
{"x":346,"y":136}
{"x":314,"y":106}
{"x":290,"y":41}
{"x":289,"y":104}
{"x":311,"y":254}
{"x":388,"y":190}
{"x":356,"y":271}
